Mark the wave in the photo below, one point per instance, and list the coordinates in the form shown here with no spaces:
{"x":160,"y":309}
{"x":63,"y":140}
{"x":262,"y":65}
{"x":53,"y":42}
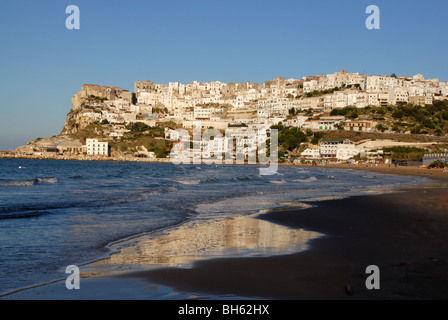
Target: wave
{"x":32,"y":209}
{"x":28,"y":183}
{"x":25,"y":183}
{"x":309,"y":179}
{"x":187,"y":182}
{"x":170,"y":189}
{"x":22,"y":215}
{"x":277,"y":181}
{"x":48,"y":180}
{"x":244,"y":178}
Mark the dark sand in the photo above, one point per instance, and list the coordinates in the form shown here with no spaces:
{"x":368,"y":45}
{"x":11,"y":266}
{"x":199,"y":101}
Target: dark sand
{"x":405,"y":234}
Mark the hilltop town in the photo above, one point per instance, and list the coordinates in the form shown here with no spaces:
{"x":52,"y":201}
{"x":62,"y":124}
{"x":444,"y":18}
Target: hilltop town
{"x":339,"y":117}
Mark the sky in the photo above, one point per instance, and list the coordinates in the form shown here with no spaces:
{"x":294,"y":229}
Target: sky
{"x":43,"y":64}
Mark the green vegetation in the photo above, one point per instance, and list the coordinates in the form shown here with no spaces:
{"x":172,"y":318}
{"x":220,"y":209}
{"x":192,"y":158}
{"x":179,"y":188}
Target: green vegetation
{"x":293,"y":111}
{"x":138,"y":127}
{"x":402,"y":153}
{"x":404,"y":117}
{"x":318,"y":93}
{"x":439,"y":164}
{"x":289,"y":138}
{"x":350,"y":112}
{"x":317,"y":137}
{"x":93,"y":98}
{"x":382,"y":128}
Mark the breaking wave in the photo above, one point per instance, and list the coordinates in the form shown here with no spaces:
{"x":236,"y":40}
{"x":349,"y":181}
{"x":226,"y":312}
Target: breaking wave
{"x":28,"y":183}
{"x":170,"y":189}
{"x":309,"y":179}
{"x":277,"y":181}
{"x":187,"y":182}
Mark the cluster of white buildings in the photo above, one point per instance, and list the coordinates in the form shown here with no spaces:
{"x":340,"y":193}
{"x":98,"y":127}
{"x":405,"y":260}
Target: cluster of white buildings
{"x":275,"y":98}
{"x":375,"y":90}
{"x":256,"y":106}
{"x":217,"y":104}
{"x":340,"y":149}
{"x":215,"y":144}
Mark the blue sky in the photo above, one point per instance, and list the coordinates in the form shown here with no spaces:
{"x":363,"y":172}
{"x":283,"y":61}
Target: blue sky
{"x":43,"y":64}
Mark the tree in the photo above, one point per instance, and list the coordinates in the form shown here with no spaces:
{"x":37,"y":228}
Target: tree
{"x":291,"y":138}
{"x":416,"y":130}
{"x":398,"y":114}
{"x":381,"y":128}
{"x":353,"y":115}
{"x":428,"y":123}
{"x":317,"y":137}
{"x":138,"y":127}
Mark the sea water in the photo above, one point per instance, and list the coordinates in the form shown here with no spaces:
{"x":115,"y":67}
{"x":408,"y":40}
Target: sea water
{"x":57,"y":213}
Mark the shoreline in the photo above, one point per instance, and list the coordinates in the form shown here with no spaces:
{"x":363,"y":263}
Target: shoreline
{"x":405,"y":234}
{"x":212,"y":276}
{"x":413,"y":261}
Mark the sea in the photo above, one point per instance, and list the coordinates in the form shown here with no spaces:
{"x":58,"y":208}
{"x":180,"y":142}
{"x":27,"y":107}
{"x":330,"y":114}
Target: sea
{"x":56,"y":213}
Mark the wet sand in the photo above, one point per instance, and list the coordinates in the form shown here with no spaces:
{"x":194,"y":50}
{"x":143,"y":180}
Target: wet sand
{"x":405,"y":234}
{"x":436,"y":174}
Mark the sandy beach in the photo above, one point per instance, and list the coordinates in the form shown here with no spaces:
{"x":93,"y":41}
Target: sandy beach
{"x":404,"y":233}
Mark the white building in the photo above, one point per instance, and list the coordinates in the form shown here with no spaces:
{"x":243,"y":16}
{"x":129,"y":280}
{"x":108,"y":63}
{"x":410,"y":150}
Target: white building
{"x":338,"y":149}
{"x":309,"y":86}
{"x":95,"y":147}
{"x":398,"y":95}
{"x":359,"y":100}
{"x":330,"y":122}
{"x":311,"y":153}
{"x":202,"y":113}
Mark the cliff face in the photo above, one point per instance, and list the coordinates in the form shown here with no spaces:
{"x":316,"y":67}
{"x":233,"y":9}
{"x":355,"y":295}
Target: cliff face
{"x":75,"y":121}
{"x":55,"y":142}
{"x":88,"y":103}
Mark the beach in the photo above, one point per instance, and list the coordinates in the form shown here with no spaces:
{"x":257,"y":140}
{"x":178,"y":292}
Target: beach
{"x":403,"y":233}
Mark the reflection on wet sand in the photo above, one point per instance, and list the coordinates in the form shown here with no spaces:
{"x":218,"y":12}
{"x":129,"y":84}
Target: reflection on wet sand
{"x":182,"y":246}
